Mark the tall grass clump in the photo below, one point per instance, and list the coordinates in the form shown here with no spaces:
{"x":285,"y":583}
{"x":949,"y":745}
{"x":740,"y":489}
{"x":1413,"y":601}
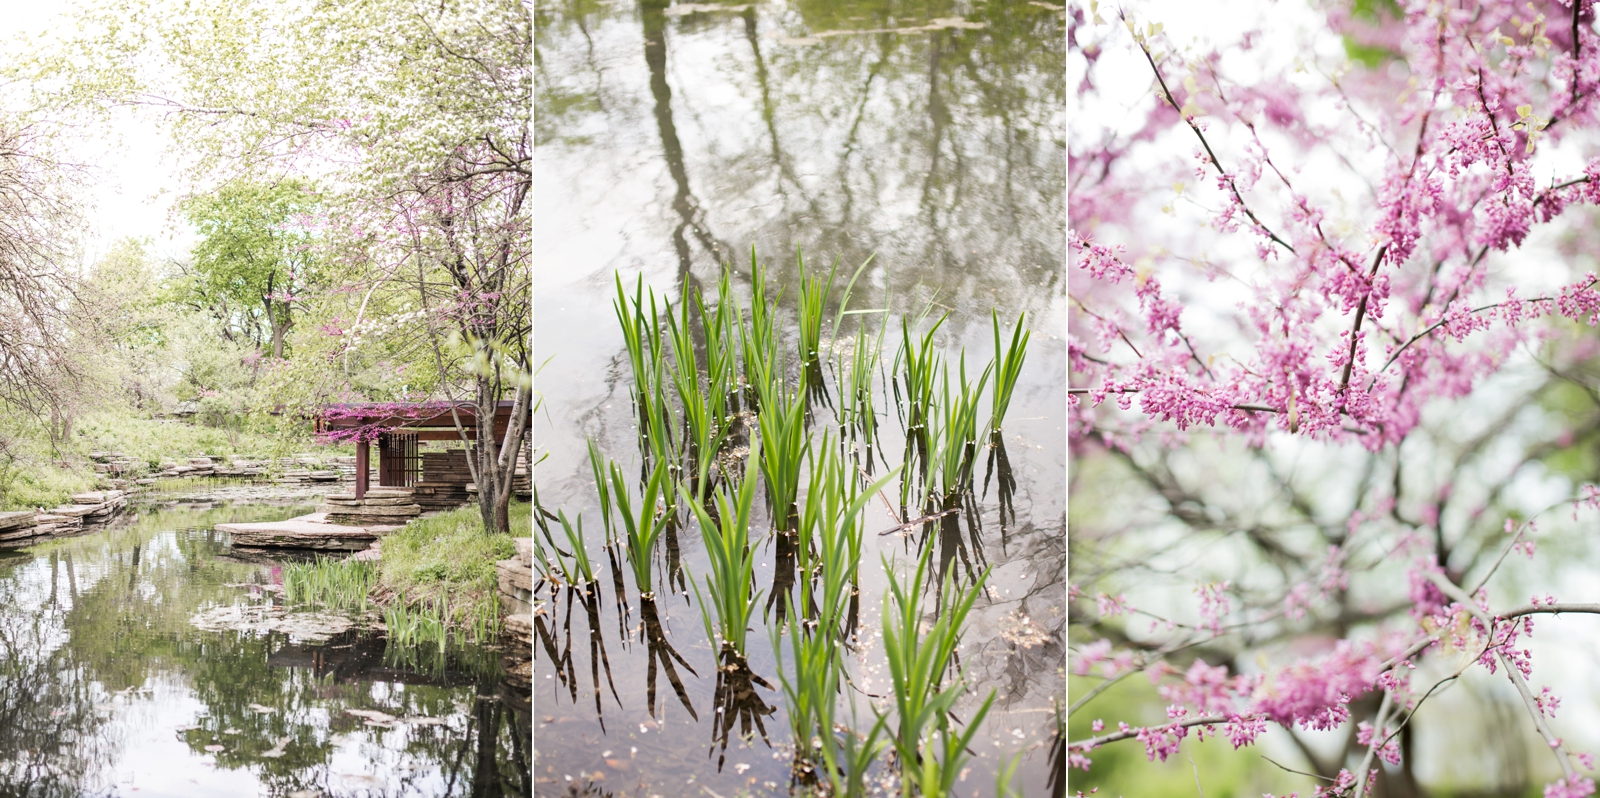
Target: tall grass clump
{"x":953,"y":434}
{"x":1007,"y":367}
{"x":341,"y":585}
{"x":811,"y":678}
{"x":703,"y":405}
{"x":857,"y":410}
{"x":918,"y":662}
{"x":814,"y":293}
{"x":642,"y":525}
{"x":919,"y":359}
{"x":784,"y":443}
{"x":448,"y":561}
{"x":731,"y":568}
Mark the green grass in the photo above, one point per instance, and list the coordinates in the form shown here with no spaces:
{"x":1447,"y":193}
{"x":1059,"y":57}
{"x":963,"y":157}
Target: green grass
{"x":918,"y":662}
{"x":731,"y":567}
{"x":811,"y":677}
{"x":1007,"y":367}
{"x":149,"y":441}
{"x":814,"y":293}
{"x":342,"y":585}
{"x":643,"y":525}
{"x":953,"y":435}
{"x":444,"y":567}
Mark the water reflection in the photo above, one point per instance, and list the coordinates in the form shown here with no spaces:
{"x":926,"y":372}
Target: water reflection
{"x":928,"y":137}
{"x":106,"y":686}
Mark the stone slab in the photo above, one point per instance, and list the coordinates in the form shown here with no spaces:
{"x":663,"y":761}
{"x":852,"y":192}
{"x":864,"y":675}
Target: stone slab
{"x":305,"y":532}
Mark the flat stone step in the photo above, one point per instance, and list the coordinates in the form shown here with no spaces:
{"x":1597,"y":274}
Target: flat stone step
{"x":305,"y":532}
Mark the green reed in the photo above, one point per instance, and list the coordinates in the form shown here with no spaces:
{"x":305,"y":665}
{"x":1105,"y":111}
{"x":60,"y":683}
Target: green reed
{"x":953,"y":432}
{"x":644,"y":525}
{"x":831,"y":518}
{"x":814,"y":293}
{"x":945,"y":756}
{"x":704,"y":407}
{"x":784,"y":443}
{"x":597,"y":466}
{"x":580,"y":551}
{"x":810,"y":684}
{"x":342,"y":585}
{"x":918,"y":662}
{"x":855,"y":396}
{"x":1007,"y":367}
{"x":423,"y":622}
{"x":731,"y":567}
{"x":759,"y":340}
{"x":641,"y":335}
{"x":920,"y":359}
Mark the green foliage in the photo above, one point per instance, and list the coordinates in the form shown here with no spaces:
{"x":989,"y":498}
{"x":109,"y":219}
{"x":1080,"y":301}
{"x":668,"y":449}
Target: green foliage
{"x":151,"y":441}
{"x":918,"y":662}
{"x":336,"y":584}
{"x":732,"y":564}
{"x":645,"y":524}
{"x":1007,"y":367}
{"x":254,"y":259}
{"x":441,"y":571}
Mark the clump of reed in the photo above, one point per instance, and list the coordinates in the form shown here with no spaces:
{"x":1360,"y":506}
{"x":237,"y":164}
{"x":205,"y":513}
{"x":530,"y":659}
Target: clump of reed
{"x":1007,"y":367}
{"x":436,"y":621}
{"x":930,"y":750}
{"x":953,"y":435}
{"x":642,"y":522}
{"x":731,"y":570}
{"x":341,"y":585}
{"x":810,"y":680}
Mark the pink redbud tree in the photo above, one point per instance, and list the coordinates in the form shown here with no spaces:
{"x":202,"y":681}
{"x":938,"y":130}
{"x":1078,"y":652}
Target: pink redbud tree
{"x":1332,"y":329}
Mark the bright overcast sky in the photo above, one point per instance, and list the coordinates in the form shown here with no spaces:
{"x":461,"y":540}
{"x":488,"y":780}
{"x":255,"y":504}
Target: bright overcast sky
{"x":135,"y":180}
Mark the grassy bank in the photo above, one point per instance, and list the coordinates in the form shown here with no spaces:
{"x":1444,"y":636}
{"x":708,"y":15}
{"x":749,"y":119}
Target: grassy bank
{"x":436,"y":578}
{"x":38,"y":472}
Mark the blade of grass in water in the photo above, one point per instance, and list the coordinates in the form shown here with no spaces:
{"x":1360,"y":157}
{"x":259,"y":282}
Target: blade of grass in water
{"x":1007,"y":367}
{"x":731,"y":560}
{"x":580,"y":551}
{"x":918,"y":661}
{"x":643,"y":525}
{"x":597,"y":466}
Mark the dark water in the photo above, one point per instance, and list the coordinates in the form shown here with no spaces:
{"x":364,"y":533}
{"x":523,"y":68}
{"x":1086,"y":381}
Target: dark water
{"x":106,"y":687}
{"x":671,"y":140}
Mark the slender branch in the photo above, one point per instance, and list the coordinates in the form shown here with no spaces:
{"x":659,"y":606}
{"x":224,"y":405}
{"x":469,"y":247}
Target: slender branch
{"x":1460,"y":596}
{"x":1212,"y":155}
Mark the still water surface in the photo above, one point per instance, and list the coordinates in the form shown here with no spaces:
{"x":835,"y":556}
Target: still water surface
{"x":108,"y":689}
{"x":670,"y":140}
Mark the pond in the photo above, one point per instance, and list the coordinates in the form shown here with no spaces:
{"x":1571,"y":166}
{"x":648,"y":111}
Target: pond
{"x":670,"y":140}
{"x":108,"y":688}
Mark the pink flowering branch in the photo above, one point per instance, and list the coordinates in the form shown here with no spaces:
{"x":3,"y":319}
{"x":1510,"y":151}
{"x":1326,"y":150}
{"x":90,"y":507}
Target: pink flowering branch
{"x":1513,"y":672}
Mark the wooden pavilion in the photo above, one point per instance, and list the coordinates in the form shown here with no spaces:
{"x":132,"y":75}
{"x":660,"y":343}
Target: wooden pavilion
{"x":398,"y":427}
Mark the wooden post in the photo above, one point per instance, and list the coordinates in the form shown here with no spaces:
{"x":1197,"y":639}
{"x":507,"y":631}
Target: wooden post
{"x":361,"y":469}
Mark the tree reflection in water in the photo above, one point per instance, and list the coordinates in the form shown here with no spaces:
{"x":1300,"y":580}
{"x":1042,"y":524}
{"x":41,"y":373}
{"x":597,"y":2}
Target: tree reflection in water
{"x":100,"y":666}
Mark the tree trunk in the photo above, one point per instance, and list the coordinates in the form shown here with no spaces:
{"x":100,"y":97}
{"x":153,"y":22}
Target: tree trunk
{"x":280,"y":328}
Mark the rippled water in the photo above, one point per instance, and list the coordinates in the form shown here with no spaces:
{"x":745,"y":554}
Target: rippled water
{"x":107,"y":688}
{"x":670,"y":139}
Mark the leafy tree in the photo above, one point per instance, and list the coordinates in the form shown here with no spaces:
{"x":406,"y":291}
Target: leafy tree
{"x":256,"y":258}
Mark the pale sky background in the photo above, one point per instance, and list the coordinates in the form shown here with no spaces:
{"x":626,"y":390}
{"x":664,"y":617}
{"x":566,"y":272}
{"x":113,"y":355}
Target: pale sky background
{"x":135,"y":181}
